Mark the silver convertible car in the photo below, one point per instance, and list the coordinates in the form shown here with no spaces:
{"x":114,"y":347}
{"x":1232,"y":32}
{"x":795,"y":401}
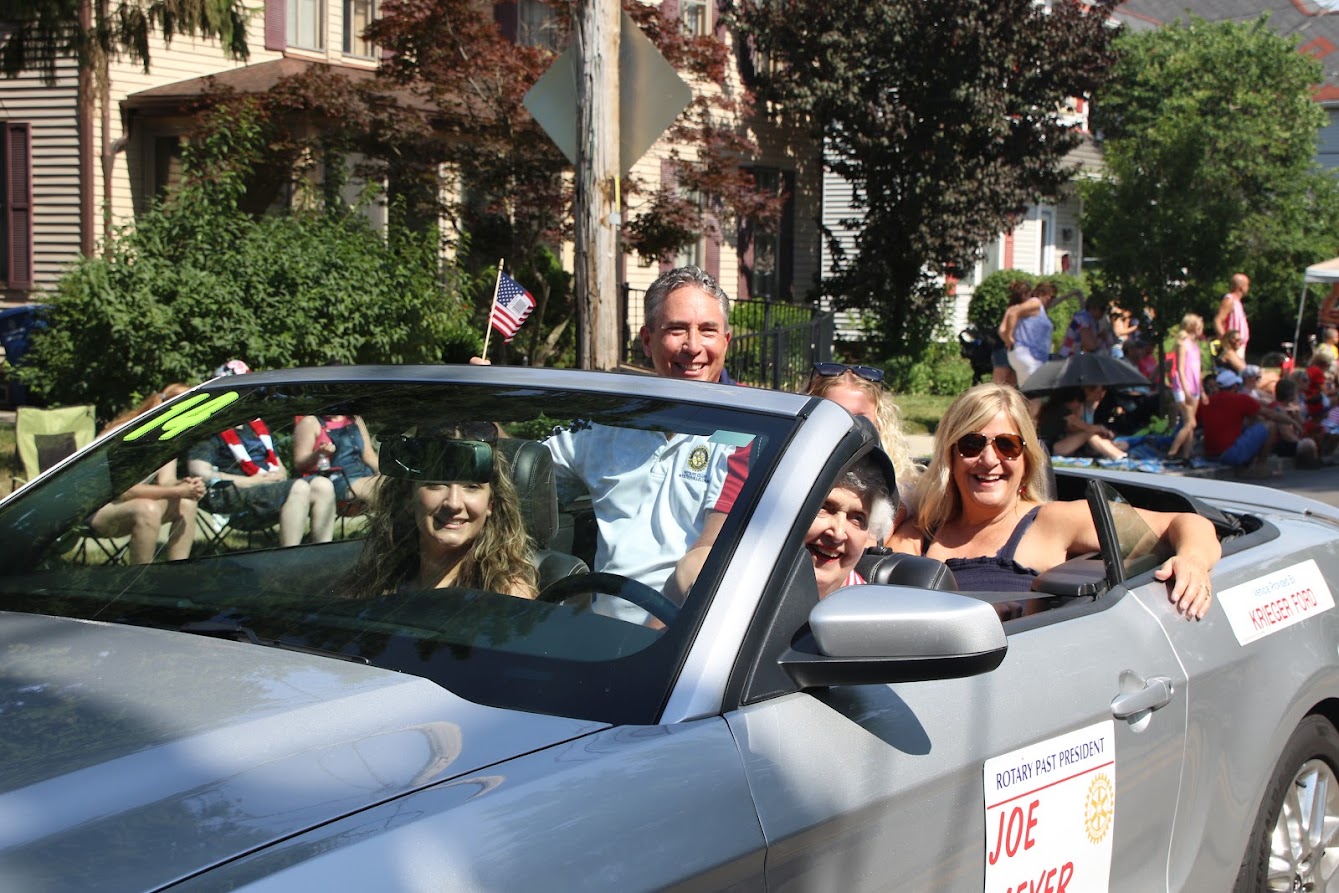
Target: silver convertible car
{"x":260,"y":717}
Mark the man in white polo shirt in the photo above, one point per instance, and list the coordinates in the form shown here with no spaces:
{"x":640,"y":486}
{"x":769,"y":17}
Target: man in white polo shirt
{"x":651,"y":491}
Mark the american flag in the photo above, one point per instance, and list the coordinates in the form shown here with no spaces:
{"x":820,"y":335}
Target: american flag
{"x":512,"y":306}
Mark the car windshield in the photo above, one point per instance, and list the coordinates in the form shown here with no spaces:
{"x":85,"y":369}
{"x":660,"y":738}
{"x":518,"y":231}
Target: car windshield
{"x":503,"y":476}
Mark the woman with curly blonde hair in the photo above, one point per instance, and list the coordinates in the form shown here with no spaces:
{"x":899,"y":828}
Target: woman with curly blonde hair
{"x":861,"y":392}
{"x":427,"y":534}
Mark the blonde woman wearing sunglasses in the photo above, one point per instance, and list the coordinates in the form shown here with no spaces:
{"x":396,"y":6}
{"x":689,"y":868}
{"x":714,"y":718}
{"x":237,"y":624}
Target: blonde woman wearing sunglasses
{"x":983,"y":508}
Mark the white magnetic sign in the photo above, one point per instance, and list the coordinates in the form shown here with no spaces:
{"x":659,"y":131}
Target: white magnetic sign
{"x":1276,"y":601}
{"x":1050,"y":814}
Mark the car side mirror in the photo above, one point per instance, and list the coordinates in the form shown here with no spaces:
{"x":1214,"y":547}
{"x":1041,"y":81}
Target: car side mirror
{"x":872,"y":634}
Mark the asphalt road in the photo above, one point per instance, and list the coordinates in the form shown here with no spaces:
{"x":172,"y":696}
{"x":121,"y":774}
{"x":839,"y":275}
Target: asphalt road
{"x":1317,"y":483}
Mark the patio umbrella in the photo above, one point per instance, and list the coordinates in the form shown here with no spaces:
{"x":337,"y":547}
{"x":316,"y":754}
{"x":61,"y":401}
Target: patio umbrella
{"x":1083,"y":369}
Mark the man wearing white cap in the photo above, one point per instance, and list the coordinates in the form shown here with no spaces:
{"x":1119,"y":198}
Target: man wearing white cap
{"x":1233,"y":432}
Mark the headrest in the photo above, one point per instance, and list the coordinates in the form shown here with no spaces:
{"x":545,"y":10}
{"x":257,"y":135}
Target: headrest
{"x":531,"y":469}
{"x":880,"y":565}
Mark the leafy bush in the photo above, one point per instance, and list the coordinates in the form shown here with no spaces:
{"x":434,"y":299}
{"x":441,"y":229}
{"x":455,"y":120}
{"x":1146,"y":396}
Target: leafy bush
{"x":940,"y":370}
{"x":189,"y":287}
{"x":757,"y":316}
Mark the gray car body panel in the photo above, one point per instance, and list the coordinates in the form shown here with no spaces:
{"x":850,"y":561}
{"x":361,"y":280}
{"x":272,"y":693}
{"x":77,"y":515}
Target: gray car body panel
{"x":628,"y":809}
{"x":858,"y":784}
{"x":206,"y":749}
{"x":222,"y":765}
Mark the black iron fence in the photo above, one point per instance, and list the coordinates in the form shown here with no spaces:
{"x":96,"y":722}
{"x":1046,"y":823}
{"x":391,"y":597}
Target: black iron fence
{"x":773,"y":345}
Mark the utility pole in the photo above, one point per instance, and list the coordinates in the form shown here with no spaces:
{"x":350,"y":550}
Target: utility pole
{"x":597,"y":169}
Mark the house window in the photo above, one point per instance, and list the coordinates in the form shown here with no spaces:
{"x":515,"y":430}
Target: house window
{"x":695,"y":15}
{"x":17,"y":256}
{"x":692,"y":253}
{"x":765,"y":248}
{"x":537,"y":25}
{"x":305,"y":24}
{"x":166,"y":165}
{"x":358,"y":14}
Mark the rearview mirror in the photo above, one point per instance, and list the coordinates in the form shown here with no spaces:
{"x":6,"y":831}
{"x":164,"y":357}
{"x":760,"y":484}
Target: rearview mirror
{"x":428,"y":458}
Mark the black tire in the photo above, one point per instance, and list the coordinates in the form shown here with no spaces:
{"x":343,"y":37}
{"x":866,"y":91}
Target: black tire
{"x":1278,"y":857}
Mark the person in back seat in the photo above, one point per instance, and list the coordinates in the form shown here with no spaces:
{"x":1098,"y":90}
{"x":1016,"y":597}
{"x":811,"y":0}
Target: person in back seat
{"x":856,"y":513}
{"x":981,"y":508}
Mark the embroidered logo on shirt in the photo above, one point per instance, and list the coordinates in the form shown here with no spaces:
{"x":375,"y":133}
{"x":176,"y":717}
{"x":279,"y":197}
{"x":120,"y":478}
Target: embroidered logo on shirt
{"x":697,"y":460}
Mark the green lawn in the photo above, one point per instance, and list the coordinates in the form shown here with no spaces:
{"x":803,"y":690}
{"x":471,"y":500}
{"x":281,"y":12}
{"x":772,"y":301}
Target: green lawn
{"x":921,"y":414}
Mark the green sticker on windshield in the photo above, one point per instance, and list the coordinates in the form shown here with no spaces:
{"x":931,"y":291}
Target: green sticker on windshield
{"x":185,"y":415}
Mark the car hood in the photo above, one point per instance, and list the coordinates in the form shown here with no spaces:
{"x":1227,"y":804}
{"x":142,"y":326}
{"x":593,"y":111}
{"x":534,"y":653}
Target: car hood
{"x":130,"y":757}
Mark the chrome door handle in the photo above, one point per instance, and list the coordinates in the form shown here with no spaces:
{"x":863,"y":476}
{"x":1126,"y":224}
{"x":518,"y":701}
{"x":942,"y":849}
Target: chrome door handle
{"x":1157,"y":692}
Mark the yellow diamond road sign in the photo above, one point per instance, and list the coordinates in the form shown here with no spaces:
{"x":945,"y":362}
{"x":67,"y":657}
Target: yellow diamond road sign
{"x":651,"y":96}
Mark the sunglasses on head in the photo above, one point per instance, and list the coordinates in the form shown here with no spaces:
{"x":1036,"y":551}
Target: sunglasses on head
{"x":1010,"y":446}
{"x":831,"y":370}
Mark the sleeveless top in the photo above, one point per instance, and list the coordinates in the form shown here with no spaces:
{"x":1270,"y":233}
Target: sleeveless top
{"x":348,"y":441}
{"x":1193,"y":366}
{"x":1033,"y":334}
{"x":1236,"y":319}
{"x":994,"y":573}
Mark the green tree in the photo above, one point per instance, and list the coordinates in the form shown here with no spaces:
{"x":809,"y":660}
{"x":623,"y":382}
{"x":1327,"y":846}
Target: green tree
{"x":944,"y":115}
{"x":448,"y":96}
{"x":1209,"y":133}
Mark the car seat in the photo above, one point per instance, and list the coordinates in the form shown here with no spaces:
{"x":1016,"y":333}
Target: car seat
{"x":531,"y":469}
{"x":880,"y":564}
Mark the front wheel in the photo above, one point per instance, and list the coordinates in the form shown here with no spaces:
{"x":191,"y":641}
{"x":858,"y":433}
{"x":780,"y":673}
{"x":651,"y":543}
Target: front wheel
{"x":1294,"y":843}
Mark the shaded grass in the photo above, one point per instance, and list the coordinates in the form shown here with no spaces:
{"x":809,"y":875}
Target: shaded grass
{"x":9,"y":459}
{"x":921,"y":413}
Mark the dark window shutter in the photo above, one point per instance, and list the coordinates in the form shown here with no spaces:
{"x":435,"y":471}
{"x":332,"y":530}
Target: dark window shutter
{"x":669,"y":178}
{"x":786,"y":244}
{"x":508,"y":16}
{"x":711,"y":256}
{"x":276,"y":24}
{"x":18,"y":206}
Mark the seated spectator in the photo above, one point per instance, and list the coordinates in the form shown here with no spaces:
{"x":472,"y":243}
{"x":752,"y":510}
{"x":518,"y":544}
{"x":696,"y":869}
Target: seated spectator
{"x":1229,"y":353}
{"x":983,"y":509}
{"x":1250,"y":384}
{"x":857,"y":513}
{"x":1314,"y":381}
{"x":1139,"y":353}
{"x":1234,"y":432}
{"x":141,"y":511}
{"x":245,"y":477}
{"x":1125,"y":327}
{"x":339,"y":447}
{"x":449,"y":518}
{"x":1089,"y":330}
{"x":1068,"y":425}
{"x":1289,"y":438}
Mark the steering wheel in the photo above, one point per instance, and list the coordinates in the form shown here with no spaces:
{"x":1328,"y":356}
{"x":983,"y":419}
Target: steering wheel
{"x":631,"y":591}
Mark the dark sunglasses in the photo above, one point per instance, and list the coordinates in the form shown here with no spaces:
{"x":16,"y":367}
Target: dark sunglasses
{"x":831,"y":370}
{"x":1010,"y":446}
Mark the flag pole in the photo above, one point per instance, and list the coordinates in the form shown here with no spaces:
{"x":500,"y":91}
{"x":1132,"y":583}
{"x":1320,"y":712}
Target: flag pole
{"x":488,"y":325}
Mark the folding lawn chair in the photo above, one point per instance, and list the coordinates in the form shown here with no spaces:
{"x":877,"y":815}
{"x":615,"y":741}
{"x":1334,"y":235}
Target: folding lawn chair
{"x":46,"y":436}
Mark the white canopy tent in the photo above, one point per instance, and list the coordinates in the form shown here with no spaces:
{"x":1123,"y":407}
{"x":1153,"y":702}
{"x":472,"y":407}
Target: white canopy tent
{"x":1323,"y":272}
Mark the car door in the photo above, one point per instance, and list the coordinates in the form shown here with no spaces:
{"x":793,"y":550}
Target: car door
{"x":1021,"y":779}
